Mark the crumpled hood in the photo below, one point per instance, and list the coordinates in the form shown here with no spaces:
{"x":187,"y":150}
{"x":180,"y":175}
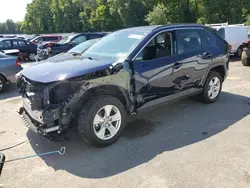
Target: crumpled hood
{"x":63,"y":68}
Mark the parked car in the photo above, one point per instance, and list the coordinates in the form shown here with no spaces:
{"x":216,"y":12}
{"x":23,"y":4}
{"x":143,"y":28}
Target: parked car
{"x":245,"y":57}
{"x":124,"y":72}
{"x":43,"y":54}
{"x":27,"y":49}
{"x":9,"y":66}
{"x":14,"y":52}
{"x":69,"y":42}
{"x":46,"y":38}
{"x":235,"y":35}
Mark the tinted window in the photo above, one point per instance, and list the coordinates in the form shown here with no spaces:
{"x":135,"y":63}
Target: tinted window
{"x":93,"y":36}
{"x":21,"y":43}
{"x":160,"y":46}
{"x":188,"y":40}
{"x":15,"y":45}
{"x":221,"y":31}
{"x":50,"y":38}
{"x":207,"y":39}
{"x":79,"y":40}
{"x":5,"y":44}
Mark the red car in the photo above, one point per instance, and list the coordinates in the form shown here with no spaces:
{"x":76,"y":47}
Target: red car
{"x":47,"y":38}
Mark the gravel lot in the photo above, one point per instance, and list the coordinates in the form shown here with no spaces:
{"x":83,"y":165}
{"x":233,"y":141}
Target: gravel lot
{"x":185,"y":144}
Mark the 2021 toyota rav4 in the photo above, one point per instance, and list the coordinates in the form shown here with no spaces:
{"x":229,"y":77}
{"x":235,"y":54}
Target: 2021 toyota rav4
{"x":122,"y":73}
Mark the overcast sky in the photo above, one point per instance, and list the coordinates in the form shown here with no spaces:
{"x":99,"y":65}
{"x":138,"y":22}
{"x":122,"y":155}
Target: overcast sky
{"x":13,"y":9}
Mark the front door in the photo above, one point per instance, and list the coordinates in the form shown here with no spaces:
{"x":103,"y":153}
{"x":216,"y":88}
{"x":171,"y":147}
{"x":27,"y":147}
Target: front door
{"x":154,"y":67}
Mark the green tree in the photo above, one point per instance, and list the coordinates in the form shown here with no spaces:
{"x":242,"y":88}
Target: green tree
{"x":248,"y":20}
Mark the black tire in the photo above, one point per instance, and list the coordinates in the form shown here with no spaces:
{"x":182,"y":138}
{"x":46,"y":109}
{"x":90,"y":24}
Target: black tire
{"x":204,"y":96}
{"x":2,"y":84}
{"x":244,"y":59}
{"x":87,"y":115}
{"x":239,"y":51}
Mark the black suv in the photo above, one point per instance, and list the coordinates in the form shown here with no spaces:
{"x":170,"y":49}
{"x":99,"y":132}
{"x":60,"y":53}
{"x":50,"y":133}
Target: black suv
{"x":122,"y":73}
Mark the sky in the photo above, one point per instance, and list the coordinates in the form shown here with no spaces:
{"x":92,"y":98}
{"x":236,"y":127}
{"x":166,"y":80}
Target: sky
{"x":13,"y":9}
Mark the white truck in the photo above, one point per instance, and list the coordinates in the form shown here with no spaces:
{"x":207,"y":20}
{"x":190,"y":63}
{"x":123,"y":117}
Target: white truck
{"x":235,"y":35}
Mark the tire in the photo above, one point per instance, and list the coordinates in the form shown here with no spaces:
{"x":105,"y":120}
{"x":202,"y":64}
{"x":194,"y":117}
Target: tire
{"x":206,"y":96}
{"x":32,"y":56}
{"x":239,"y":51}
{"x":244,"y":59}
{"x":2,"y":84}
{"x":92,"y":133}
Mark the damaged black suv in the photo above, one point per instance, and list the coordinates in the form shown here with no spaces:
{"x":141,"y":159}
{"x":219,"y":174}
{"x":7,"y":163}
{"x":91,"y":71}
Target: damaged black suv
{"x":122,"y":73}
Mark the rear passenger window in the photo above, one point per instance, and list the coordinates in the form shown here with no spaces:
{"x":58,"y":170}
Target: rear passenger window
{"x":188,"y":41}
{"x":21,"y":43}
{"x":15,"y":45}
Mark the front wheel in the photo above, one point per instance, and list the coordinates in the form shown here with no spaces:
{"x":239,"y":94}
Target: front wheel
{"x":102,"y":120}
{"x":212,"y":88}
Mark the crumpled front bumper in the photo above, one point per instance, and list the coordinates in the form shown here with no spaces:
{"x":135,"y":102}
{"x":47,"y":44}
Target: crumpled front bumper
{"x":40,"y":121}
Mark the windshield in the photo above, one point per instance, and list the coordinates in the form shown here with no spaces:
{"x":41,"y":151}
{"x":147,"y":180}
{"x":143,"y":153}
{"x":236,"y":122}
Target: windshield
{"x":116,"y":45}
{"x":83,"y":46}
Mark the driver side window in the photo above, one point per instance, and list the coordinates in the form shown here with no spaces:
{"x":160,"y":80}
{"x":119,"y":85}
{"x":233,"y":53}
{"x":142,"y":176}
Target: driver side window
{"x":79,"y":40}
{"x":160,"y":46}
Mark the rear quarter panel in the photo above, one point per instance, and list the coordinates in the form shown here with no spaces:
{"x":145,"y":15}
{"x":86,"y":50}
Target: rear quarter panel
{"x":8,"y":68}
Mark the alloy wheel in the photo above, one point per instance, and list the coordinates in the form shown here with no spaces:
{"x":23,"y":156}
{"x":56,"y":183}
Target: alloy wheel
{"x":32,"y":57}
{"x":107,"y":122}
{"x":214,"y":88}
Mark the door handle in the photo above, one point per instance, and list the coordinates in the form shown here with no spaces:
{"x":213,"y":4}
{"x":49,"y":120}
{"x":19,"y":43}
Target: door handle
{"x":206,"y":55}
{"x":144,"y":65}
{"x":177,"y":65}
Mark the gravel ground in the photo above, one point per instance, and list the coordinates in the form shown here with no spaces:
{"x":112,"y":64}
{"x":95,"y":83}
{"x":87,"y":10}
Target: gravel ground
{"x":185,"y":144}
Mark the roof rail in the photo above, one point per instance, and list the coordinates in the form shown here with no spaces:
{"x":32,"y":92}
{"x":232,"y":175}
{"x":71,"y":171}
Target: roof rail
{"x":223,"y":24}
{"x":217,"y":24}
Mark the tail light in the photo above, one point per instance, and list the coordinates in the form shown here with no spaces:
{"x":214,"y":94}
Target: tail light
{"x":229,"y":48}
{"x":49,"y":45}
{"x":17,"y":62}
{"x":21,"y":55}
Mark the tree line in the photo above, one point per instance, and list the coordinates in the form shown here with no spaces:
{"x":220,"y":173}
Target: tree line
{"x":57,"y":16}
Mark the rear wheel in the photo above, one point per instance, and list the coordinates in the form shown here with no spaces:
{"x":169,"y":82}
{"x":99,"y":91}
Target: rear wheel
{"x":239,"y":51}
{"x":2,"y":84}
{"x":102,"y":120}
{"x":244,"y":59}
{"x":32,"y":56}
{"x":212,"y":88}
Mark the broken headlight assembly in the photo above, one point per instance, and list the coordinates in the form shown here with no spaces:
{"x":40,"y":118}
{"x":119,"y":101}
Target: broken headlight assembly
{"x":63,"y":91}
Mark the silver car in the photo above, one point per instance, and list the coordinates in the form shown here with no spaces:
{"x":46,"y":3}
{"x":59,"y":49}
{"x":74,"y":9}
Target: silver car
{"x":9,"y":66}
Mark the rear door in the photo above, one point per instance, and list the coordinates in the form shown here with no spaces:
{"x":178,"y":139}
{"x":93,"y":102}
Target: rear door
{"x":194,"y":56}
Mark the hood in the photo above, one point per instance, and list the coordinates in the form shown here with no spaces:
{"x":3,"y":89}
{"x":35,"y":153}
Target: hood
{"x":63,"y":68}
